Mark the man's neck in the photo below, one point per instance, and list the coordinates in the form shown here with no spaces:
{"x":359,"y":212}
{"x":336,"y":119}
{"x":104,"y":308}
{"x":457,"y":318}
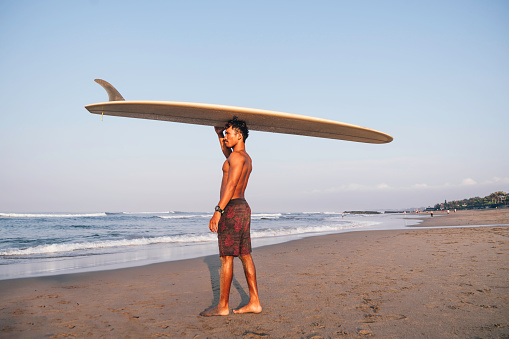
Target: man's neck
{"x":239,"y":147}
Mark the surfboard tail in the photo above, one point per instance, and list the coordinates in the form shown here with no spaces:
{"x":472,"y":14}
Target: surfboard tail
{"x":113,"y":94}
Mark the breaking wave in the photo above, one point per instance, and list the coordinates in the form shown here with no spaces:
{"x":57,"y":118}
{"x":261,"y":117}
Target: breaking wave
{"x":59,"y":248}
{"x":176,"y":239}
{"x":51,"y":215}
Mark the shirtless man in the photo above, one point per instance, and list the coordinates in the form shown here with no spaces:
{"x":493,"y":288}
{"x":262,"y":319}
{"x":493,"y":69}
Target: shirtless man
{"x":232,"y":218}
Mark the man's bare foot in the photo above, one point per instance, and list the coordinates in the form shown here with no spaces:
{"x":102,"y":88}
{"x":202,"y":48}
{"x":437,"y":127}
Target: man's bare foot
{"x":249,"y":308}
{"x":215,"y":311}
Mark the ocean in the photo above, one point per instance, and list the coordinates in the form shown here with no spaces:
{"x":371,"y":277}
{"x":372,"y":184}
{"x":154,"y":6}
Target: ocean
{"x":41,"y":244}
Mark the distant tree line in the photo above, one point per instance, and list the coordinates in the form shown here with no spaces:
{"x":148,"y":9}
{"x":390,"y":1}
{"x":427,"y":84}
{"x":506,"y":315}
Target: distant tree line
{"x":496,"y":199}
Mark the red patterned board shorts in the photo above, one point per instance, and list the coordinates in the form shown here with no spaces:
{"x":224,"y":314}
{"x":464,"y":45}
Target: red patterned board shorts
{"x":233,"y":232}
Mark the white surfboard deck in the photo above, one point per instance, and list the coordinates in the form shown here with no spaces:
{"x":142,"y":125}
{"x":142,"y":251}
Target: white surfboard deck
{"x":218,"y":115}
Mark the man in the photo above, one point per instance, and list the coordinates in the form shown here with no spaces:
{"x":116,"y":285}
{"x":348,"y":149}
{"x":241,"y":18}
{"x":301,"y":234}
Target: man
{"x":232,"y":218}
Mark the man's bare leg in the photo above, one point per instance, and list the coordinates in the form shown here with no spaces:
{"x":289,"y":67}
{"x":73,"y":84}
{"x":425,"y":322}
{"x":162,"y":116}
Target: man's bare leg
{"x":250,"y":271}
{"x":223,"y":307}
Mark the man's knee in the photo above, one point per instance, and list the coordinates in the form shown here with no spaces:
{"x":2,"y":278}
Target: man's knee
{"x":245,"y":258}
{"x":227,"y":259}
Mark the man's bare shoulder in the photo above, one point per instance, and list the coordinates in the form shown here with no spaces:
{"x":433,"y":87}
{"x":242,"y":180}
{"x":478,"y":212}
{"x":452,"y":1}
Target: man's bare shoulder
{"x":238,"y":157}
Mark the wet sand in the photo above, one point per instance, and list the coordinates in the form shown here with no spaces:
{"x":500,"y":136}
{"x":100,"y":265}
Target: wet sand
{"x":429,"y":283}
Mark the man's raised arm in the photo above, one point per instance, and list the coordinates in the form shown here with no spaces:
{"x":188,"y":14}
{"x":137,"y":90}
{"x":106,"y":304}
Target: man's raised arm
{"x":226,"y":150}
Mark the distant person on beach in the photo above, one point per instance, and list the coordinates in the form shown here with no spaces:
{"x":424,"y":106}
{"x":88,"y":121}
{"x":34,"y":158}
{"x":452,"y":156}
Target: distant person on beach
{"x":232,"y":218}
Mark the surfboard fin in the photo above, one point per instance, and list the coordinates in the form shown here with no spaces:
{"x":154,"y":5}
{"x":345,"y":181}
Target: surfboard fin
{"x":113,"y":94}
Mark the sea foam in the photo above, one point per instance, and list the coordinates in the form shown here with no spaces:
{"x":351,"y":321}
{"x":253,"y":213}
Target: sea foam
{"x":50,"y":215}
{"x":70,"y":247}
{"x":177,"y":239}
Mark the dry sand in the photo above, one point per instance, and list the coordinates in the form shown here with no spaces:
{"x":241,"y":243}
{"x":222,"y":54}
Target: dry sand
{"x":429,"y":283}
{"x":467,"y":217}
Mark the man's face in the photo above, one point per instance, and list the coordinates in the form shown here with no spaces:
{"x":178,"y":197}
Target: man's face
{"x":231,"y":137}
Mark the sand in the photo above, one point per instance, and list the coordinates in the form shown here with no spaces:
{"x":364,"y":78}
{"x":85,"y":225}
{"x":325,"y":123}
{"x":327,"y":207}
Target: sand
{"x":467,"y":218}
{"x":424,"y":283}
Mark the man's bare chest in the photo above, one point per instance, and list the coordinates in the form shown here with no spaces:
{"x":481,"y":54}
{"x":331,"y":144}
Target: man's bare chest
{"x":226,"y":167}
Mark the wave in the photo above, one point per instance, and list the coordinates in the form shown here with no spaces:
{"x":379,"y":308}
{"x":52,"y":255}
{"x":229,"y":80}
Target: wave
{"x":165,"y":212}
{"x":50,"y":215}
{"x":177,"y":239}
{"x":184,"y":216}
{"x":60,"y":248}
{"x":308,"y":229}
{"x":188,"y":216}
{"x":326,"y":213}
{"x":266,"y":216}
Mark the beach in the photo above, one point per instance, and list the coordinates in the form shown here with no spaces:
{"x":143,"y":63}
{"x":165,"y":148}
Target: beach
{"x":416,"y":283}
{"x":467,"y":218}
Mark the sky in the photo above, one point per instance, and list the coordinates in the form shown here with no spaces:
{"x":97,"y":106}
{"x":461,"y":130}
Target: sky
{"x":433,"y":74}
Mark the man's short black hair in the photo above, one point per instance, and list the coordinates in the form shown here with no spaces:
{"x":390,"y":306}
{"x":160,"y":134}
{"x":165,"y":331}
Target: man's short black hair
{"x":238,"y":125}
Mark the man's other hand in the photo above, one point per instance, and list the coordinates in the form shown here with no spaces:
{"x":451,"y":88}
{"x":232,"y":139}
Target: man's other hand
{"x":214,"y":221}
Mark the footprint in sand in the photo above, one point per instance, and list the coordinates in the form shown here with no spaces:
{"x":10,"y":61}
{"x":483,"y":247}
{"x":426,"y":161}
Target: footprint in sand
{"x":371,"y":318}
{"x":254,"y":335}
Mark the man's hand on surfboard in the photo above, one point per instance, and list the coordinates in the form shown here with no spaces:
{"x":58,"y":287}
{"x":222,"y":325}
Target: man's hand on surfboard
{"x":219,"y":130}
{"x":226,"y":150}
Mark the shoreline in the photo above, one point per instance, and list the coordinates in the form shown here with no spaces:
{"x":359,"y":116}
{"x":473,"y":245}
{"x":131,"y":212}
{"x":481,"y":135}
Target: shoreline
{"x":429,"y":282}
{"x":157,"y":253}
{"x":163,"y":252}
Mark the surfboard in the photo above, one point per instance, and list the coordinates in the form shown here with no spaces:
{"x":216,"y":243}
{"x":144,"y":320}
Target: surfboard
{"x":218,"y":115}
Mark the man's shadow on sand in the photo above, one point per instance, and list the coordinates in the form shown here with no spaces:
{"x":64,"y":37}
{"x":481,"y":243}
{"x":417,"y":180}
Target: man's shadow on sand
{"x":214,"y":264}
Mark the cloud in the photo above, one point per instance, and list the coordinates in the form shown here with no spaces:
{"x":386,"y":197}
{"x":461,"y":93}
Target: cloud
{"x":468,"y":182}
{"x":354,"y":187}
{"x":497,"y":180}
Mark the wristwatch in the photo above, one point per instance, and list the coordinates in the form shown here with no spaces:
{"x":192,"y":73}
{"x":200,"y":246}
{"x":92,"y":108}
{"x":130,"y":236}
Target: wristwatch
{"x":218,"y":209}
